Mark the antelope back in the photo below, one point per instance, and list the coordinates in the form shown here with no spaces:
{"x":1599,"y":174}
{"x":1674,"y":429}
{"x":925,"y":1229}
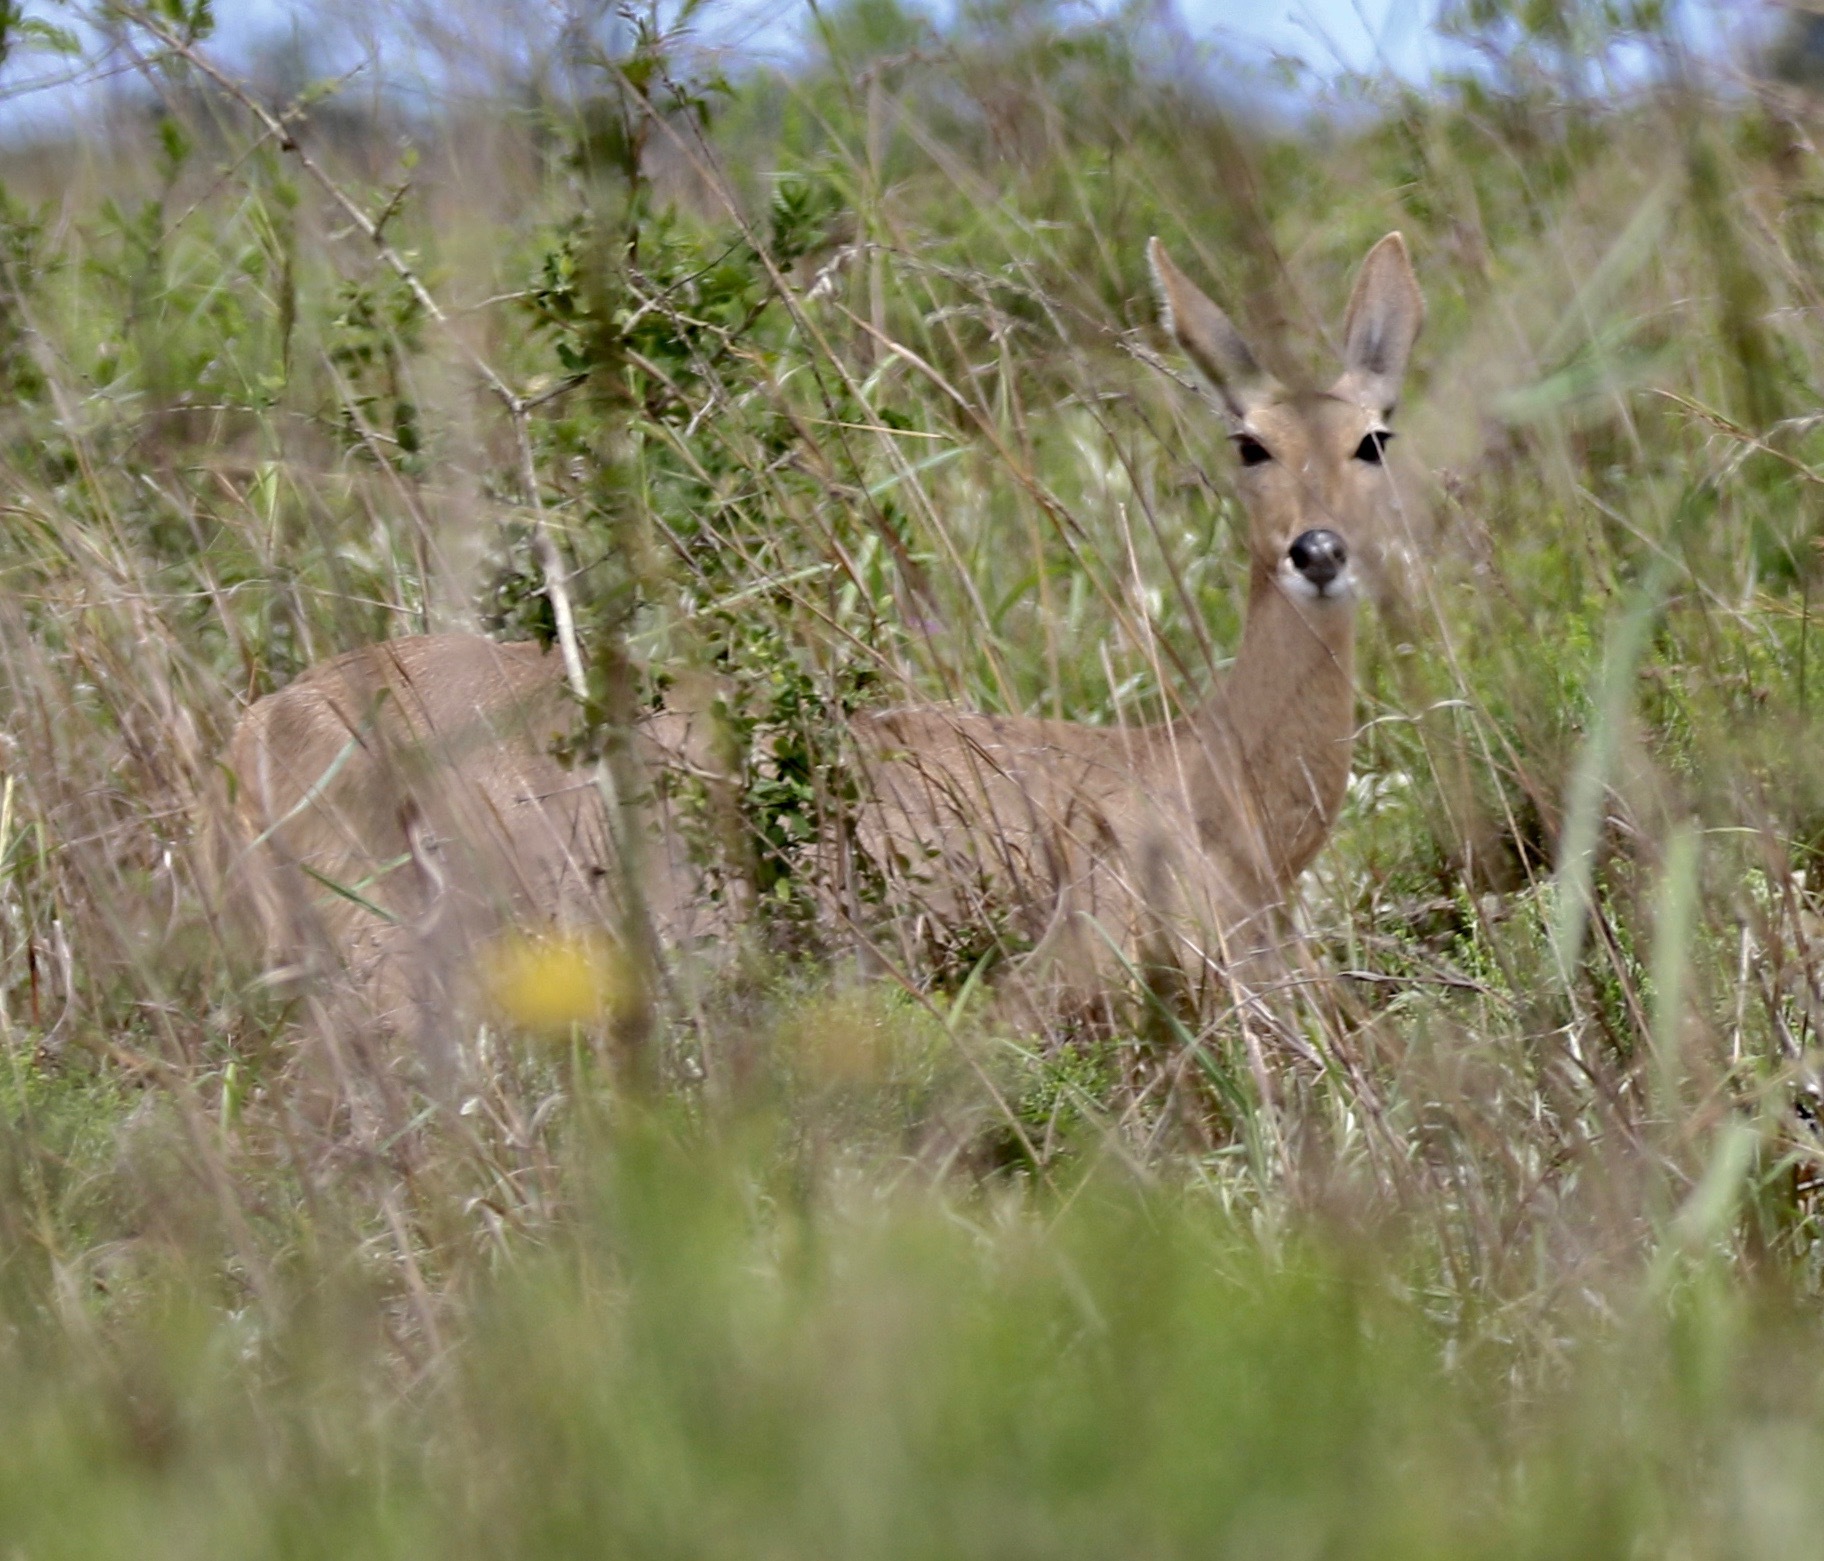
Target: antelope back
{"x":453,"y":731}
{"x":397,"y":805}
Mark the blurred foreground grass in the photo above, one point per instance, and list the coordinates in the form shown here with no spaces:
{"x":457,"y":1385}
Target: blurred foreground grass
{"x":1494,"y":1229}
{"x":699,"y":1362}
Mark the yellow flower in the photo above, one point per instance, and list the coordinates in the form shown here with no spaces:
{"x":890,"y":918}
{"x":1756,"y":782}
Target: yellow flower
{"x":551,"y":983}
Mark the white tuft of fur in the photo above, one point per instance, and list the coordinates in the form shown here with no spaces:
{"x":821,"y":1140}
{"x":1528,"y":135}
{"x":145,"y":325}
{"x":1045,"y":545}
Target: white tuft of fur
{"x":1295,"y":584}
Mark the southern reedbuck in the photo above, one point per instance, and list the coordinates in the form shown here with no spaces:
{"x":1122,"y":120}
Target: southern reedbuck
{"x":1169,"y":841}
{"x":1179,"y":841}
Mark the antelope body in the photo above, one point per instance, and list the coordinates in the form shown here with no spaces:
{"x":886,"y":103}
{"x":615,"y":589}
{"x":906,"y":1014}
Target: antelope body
{"x":1181,"y":836}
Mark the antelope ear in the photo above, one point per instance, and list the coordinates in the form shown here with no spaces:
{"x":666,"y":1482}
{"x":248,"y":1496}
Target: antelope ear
{"x":1385,"y":313}
{"x":1208,"y":338}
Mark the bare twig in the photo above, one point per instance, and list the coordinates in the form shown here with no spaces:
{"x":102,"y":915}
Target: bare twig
{"x":518,"y":407}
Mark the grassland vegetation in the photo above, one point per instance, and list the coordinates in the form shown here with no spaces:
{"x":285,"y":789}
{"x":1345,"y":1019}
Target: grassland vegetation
{"x":1493,"y":1226}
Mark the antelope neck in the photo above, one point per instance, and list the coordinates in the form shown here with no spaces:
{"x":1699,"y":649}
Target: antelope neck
{"x":1286,"y":718}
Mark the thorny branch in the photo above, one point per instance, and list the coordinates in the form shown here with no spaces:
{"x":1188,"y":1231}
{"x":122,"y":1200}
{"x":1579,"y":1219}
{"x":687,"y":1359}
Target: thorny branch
{"x":519,"y":408}
{"x":612,"y":772}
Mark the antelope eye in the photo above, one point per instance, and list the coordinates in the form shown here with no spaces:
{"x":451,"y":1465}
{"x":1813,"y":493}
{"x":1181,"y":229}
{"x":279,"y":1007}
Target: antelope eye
{"x":1251,"y":450}
{"x":1372,"y":446}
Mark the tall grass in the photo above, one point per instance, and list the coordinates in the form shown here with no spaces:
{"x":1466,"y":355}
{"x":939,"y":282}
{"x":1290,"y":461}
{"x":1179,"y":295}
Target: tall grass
{"x":1493,"y":1229}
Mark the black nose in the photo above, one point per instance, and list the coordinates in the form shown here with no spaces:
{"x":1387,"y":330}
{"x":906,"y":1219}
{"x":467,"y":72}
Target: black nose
{"x":1319,"y":556}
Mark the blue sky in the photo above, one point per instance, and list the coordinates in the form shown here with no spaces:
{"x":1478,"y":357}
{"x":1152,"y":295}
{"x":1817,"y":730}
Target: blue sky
{"x":1327,"y":37}
{"x":1327,"y":33}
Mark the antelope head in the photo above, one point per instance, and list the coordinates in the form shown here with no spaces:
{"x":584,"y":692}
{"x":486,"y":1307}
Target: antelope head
{"x":1312,"y":473}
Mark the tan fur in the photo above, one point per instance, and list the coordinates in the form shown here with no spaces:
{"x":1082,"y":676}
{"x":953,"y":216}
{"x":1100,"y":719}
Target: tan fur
{"x":413,"y":783}
{"x":1179,"y":838}
{"x":420,"y":770}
